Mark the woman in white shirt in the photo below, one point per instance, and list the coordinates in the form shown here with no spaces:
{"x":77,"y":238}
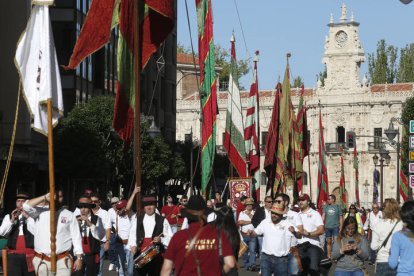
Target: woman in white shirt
{"x":389,"y":224}
{"x":245,"y":222}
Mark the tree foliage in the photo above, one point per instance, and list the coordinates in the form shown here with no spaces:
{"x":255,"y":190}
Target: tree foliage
{"x":297,"y":82}
{"x":406,"y":64}
{"x":86,"y":146}
{"x":382,"y":66}
{"x":223,"y":60}
{"x":322,"y":76}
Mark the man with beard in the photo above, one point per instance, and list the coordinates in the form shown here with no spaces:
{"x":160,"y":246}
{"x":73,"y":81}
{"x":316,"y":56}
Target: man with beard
{"x":277,"y":241}
{"x":294,"y":218}
{"x":310,"y":250}
{"x":67,"y":236}
{"x":147,"y":230}
{"x":92,"y":231}
{"x":19,"y":227}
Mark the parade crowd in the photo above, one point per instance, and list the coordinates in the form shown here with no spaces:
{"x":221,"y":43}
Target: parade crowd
{"x":208,"y":237}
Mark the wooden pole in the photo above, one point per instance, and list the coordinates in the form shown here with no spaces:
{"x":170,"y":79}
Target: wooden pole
{"x":137,"y":107}
{"x":51,"y":188}
{"x":310,"y":178}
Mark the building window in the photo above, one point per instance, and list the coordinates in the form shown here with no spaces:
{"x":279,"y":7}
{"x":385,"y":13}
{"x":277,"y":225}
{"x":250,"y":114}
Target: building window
{"x":188,"y":138}
{"x":377,"y":141}
{"x":340,"y":134}
{"x":264,"y":137}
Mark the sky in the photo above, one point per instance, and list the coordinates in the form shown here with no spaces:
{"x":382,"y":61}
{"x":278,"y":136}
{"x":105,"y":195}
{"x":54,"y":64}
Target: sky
{"x":276,"y":27}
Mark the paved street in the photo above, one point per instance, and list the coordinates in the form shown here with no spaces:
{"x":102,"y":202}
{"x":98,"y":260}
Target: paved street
{"x":243,"y":272}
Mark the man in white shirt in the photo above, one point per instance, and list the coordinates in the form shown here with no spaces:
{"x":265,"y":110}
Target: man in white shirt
{"x":245,"y":222}
{"x":294,"y":218}
{"x":309,"y":246}
{"x":18,"y":227}
{"x":260,"y":214}
{"x":112,"y":250}
{"x":122,"y":226}
{"x":147,"y":230}
{"x":67,"y":236}
{"x":92,"y":232}
{"x":277,"y":241}
{"x":373,"y":218}
{"x":105,"y":241}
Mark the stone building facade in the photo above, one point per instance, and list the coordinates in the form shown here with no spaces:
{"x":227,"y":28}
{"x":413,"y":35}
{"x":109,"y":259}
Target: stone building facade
{"x":346,"y":103}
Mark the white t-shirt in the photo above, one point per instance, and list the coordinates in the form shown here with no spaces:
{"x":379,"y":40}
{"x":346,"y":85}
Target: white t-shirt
{"x":245,"y":217}
{"x":294,"y":218}
{"x":277,"y":239}
{"x":311,"y":220}
{"x":379,"y":234}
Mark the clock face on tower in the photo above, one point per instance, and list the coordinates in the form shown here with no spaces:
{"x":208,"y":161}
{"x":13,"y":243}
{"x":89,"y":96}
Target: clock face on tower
{"x":341,"y":39}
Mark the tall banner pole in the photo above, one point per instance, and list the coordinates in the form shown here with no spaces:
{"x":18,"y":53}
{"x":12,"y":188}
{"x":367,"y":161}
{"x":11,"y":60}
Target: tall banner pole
{"x":51,"y":188}
{"x":137,"y":108}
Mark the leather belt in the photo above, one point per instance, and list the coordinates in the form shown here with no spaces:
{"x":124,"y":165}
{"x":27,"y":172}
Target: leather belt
{"x":47,"y":258}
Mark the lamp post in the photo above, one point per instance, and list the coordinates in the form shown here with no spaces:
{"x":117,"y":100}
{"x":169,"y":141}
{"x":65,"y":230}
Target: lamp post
{"x":391,"y":133}
{"x":384,"y":156}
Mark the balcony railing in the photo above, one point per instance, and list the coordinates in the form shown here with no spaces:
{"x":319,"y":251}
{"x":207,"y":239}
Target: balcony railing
{"x":374,"y":147}
{"x":335,"y":147}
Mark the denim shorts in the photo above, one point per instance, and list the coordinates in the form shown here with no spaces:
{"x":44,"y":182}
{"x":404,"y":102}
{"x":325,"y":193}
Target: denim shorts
{"x":331,"y":232}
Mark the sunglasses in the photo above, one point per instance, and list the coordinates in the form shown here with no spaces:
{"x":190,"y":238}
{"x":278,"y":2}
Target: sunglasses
{"x":278,"y":201}
{"x":269,"y":201}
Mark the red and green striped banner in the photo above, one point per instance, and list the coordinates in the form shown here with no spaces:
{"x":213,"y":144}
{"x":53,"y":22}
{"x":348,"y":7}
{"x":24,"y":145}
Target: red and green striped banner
{"x":233,"y":135}
{"x":156,"y":22}
{"x":252,"y":131}
{"x":404,"y":187}
{"x":208,"y":91}
{"x":342,"y":192}
{"x":323,"y":186}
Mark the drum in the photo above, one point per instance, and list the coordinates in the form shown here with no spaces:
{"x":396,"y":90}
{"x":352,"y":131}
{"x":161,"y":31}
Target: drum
{"x":243,"y":248}
{"x":147,"y":255}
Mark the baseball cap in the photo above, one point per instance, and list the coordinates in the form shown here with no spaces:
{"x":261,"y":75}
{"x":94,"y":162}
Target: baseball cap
{"x":121,"y":204}
{"x":304,"y":197}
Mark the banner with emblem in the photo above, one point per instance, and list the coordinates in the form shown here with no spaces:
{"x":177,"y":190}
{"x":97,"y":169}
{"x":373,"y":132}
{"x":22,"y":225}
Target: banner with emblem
{"x":239,"y":187}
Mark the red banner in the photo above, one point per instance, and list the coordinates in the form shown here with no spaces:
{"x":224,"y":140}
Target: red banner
{"x":238,"y":188}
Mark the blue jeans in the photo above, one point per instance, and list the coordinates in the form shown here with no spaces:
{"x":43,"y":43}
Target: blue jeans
{"x":331,"y":232}
{"x":271,"y":264}
{"x":293,"y":267}
{"x":101,"y":259}
{"x":250,"y":256}
{"x":383,"y":269}
{"x":349,"y":273}
{"x":260,"y":244}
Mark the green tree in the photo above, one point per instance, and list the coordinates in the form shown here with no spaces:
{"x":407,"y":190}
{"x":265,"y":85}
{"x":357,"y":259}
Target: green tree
{"x":382,"y":66}
{"x":297,"y":82}
{"x":406,"y":64}
{"x":322,"y":76}
{"x":183,"y":49}
{"x":87,"y":147}
{"x":223,"y":60}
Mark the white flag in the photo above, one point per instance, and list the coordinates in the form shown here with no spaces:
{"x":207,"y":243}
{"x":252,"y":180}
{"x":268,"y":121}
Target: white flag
{"x":38,"y":68}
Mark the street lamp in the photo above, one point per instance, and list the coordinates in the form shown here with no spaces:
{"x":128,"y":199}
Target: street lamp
{"x":153,"y":130}
{"x":391,"y":133}
{"x":384,"y":154}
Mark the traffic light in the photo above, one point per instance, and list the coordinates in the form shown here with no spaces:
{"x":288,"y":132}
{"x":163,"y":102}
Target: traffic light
{"x":350,"y":139}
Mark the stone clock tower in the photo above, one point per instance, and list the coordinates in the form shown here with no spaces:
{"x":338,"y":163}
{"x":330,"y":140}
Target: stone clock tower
{"x":343,"y":55}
